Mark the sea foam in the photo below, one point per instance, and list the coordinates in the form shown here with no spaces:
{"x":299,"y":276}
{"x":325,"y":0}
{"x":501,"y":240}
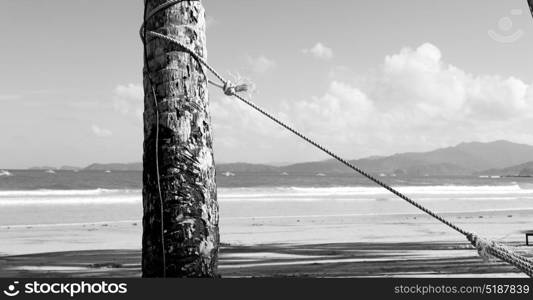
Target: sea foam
{"x":68,"y":197}
{"x":273,"y":194}
{"x":373,"y":193}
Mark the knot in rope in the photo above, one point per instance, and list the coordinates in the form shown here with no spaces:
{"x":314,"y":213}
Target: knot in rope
{"x":481,"y":245}
{"x":231,"y":89}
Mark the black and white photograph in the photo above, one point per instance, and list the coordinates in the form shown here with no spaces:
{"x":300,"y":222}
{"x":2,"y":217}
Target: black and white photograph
{"x":266,"y":139}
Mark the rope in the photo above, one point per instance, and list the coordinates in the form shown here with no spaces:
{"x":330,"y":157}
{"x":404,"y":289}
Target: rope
{"x":230,"y":89}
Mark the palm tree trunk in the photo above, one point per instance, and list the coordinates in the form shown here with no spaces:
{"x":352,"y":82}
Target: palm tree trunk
{"x":180,"y":221}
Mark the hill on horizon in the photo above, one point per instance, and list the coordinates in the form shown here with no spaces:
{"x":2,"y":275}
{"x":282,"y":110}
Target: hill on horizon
{"x":137,"y":166}
{"x":462,"y":159}
{"x":525,"y":169}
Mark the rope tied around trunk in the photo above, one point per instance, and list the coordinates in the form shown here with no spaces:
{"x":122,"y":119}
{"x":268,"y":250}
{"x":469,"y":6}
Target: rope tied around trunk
{"x":485,"y":247}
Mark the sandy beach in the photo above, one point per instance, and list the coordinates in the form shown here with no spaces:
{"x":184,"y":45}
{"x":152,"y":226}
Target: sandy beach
{"x":326,"y":238}
{"x":307,"y":139}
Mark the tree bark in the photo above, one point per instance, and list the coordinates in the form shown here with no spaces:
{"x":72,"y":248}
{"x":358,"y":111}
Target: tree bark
{"x":185,"y":156}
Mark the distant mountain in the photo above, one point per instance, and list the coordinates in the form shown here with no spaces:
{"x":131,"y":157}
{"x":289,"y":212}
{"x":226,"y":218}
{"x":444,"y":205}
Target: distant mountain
{"x":463,"y":159}
{"x":246,"y":167}
{"x":42,"y":168}
{"x":397,"y":164}
{"x":526,"y":172}
{"x":500,"y":154}
{"x":69,"y":168}
{"x":330,"y":166}
{"x":115,"y":167}
{"x":525,"y":169}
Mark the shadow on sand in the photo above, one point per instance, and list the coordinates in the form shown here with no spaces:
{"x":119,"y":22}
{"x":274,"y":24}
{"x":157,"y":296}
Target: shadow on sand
{"x":278,"y":260}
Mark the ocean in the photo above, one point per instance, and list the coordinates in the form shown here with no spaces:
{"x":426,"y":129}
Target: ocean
{"x":24,"y":187}
{"x":26,"y":180}
{"x":96,"y":196}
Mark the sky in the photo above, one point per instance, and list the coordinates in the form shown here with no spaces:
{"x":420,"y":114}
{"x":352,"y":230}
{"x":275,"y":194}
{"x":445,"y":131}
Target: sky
{"x":362,"y":77}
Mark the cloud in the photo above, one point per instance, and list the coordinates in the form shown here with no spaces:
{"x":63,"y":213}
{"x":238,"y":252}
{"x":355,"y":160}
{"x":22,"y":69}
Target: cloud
{"x":7,"y":97}
{"x":210,"y":21}
{"x":33,"y":93}
{"x":260,"y":64}
{"x":129,"y":100}
{"x":414,"y":101}
{"x":419,"y":80}
{"x":319,"y":51}
{"x":101,"y":132}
